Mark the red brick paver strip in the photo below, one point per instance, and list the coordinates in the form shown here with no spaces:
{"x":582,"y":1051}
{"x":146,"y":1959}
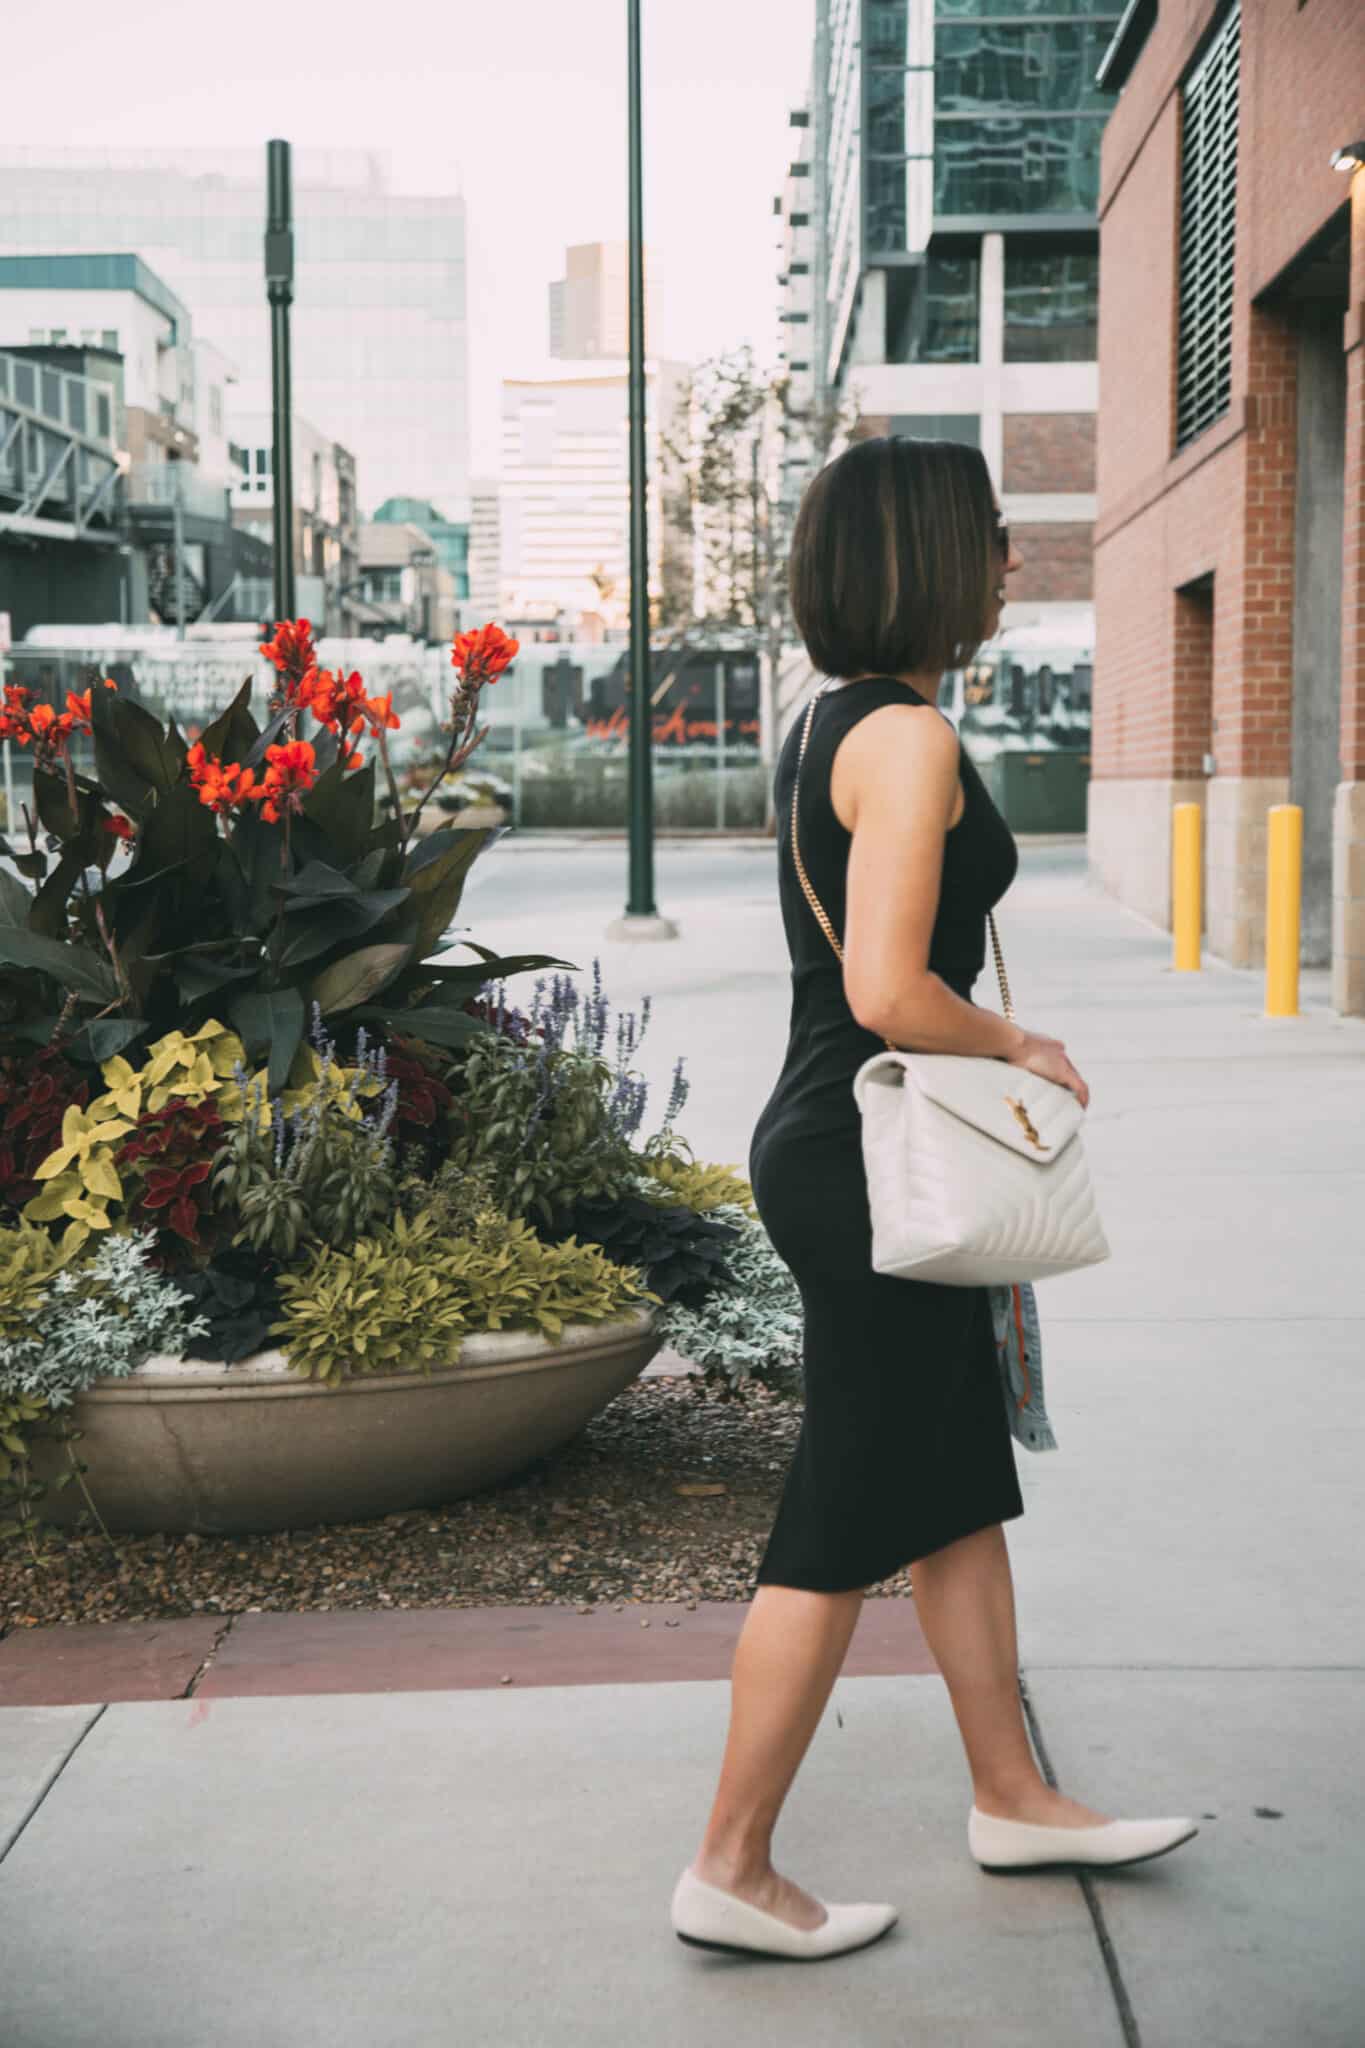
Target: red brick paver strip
{"x":437,"y":1649}
{"x":82,"y":1664}
{"x":423,"y":1650}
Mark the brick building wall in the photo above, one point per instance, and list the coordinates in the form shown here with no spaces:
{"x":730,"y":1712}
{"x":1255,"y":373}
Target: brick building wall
{"x":1194,"y":550}
{"x":1056,"y":562}
{"x":1049,"y":451}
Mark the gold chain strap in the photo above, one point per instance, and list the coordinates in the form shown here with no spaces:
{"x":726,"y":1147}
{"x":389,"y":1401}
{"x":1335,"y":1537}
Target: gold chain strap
{"x":816,"y":905}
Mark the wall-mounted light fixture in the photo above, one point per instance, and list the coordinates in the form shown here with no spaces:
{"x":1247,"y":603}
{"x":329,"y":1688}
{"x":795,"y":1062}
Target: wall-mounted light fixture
{"x":1350,"y":158}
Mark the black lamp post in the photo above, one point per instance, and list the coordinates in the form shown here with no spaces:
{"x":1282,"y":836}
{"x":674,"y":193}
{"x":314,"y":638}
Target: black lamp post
{"x":279,"y":287}
{"x":641,"y":919}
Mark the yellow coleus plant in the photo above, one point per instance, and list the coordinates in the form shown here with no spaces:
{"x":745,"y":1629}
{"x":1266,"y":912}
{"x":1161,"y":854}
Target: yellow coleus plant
{"x":80,"y":1175}
{"x":190,"y":1067}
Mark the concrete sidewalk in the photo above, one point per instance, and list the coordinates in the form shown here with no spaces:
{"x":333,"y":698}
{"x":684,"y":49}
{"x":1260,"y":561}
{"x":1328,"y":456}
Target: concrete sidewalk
{"x":492,"y":1864}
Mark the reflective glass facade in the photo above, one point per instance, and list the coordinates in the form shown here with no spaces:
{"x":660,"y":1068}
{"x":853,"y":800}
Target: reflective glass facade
{"x":1051,"y":304}
{"x":898,"y":126}
{"x":1017,"y":115}
{"x":933,"y":312}
{"x":842,"y":183}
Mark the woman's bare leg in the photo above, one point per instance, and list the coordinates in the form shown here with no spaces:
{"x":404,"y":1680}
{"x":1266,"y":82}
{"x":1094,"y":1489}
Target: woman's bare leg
{"x":964,"y":1597}
{"x":788,"y":1656}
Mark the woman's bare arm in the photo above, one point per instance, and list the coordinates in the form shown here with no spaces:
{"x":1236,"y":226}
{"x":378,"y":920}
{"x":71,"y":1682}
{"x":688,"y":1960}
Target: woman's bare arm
{"x":899,"y":770}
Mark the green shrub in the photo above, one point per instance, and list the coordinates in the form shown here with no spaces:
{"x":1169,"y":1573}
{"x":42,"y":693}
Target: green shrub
{"x":376,"y":1308}
{"x":539,"y":1119}
{"x":30,"y":1261}
{"x":322,"y":1173}
{"x":407,"y":1295}
{"x":680,"y":1253}
{"x":698,"y":1185}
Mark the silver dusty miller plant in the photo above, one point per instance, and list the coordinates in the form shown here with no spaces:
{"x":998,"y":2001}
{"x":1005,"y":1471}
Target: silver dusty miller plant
{"x":101,"y":1318}
{"x":749,"y":1325}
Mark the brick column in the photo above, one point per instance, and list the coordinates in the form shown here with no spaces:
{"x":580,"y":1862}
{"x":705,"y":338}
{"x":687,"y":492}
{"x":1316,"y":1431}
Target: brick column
{"x":1348,"y":834}
{"x":1253,"y":651}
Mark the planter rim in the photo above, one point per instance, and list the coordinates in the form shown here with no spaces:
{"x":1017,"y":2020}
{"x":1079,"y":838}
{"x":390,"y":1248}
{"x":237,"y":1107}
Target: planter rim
{"x":483,"y":1354}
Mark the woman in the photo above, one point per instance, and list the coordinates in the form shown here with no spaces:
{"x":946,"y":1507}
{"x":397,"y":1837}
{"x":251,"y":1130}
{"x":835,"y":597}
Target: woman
{"x":897,"y":573}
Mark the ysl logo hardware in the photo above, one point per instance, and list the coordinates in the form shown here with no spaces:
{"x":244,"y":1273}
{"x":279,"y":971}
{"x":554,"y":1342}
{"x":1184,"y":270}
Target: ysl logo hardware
{"x":1026,"y":1120}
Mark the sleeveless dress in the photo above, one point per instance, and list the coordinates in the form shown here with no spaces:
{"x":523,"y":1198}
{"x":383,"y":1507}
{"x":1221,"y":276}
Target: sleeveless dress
{"x":905,"y":1441}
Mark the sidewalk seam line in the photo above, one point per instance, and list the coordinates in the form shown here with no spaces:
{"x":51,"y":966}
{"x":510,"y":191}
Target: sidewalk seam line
{"x":214,"y":1647}
{"x":102,"y":1709}
{"x":1123,"y":2004}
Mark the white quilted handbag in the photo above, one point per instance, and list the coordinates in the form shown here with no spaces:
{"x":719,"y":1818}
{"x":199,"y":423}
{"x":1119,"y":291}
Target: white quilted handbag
{"x":975,"y":1170}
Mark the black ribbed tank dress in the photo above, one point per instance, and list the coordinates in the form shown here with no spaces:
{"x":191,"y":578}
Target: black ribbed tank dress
{"x":905,"y":1443}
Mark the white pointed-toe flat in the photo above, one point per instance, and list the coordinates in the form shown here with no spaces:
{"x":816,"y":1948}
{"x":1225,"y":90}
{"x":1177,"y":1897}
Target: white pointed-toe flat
{"x":707,"y":1917}
{"x":1021,"y":1845}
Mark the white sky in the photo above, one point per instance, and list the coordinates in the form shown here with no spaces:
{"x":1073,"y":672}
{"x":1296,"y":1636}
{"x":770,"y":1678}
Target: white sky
{"x":518,"y":103}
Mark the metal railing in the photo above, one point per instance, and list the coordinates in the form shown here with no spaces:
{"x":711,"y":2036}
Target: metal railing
{"x":58,"y":463}
{"x":169,"y":483}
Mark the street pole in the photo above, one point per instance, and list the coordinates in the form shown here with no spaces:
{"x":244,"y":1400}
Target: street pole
{"x":641,"y":919}
{"x":279,"y":287}
{"x":178,"y":514}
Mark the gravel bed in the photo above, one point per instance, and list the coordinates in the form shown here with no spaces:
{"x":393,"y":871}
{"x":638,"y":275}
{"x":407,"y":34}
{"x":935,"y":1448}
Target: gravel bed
{"x":668,"y":1495}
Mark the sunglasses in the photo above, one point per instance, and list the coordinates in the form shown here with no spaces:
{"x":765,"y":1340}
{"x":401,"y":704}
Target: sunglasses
{"x":1002,"y":534}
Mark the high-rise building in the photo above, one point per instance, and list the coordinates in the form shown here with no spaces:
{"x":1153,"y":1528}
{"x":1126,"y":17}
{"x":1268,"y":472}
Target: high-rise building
{"x":484,"y":603}
{"x":951,"y":157}
{"x":379,"y":325}
{"x":590,"y":304}
{"x":564,"y":491}
{"x":799,"y":345}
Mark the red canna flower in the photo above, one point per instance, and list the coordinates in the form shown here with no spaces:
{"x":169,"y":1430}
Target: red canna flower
{"x":14,"y":716}
{"x":78,"y":707}
{"x":222,"y":786}
{"x":14,"y":719}
{"x":291,"y":774}
{"x":481,"y":657}
{"x":380,"y":715}
{"x":336,"y":701}
{"x":38,"y":725}
{"x":293,"y":653}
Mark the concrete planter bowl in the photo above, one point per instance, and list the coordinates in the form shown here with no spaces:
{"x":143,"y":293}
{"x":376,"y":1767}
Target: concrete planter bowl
{"x":193,"y":1444}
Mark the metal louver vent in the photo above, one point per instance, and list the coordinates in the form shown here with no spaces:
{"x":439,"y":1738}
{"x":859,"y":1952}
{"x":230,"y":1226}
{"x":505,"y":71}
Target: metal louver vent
{"x":1208,"y":208}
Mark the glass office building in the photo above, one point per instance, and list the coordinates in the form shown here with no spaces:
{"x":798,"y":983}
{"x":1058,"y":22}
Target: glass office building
{"x":948,"y":120}
{"x":379,"y":328}
{"x":955,"y":152}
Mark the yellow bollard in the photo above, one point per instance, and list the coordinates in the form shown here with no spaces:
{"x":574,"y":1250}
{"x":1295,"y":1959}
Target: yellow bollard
{"x":1186,"y":917}
{"x":1284,"y":882}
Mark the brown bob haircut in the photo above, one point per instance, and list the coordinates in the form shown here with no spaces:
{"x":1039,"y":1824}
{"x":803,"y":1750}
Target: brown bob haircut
{"x":894,"y":557}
